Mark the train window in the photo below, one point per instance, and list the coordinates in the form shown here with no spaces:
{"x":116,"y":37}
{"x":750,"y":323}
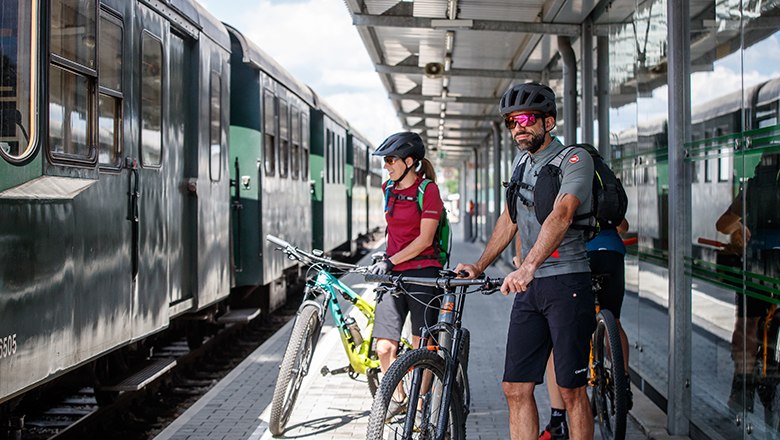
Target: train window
{"x":342,"y":159}
{"x":215,"y":131}
{"x":73,"y":81}
{"x":109,"y":130}
{"x":110,"y":97}
{"x":766,"y":115}
{"x":69,"y":114}
{"x":328,"y":154}
{"x":295,"y":154}
{"x":73,"y":30}
{"x":19,"y":40}
{"x":151,"y":100}
{"x":724,"y":165}
{"x":305,"y":147}
{"x":269,"y":132}
{"x":284,"y":138}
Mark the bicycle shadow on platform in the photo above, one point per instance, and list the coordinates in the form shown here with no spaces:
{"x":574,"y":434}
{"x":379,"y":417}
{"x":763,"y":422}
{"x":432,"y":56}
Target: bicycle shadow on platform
{"x":315,"y":427}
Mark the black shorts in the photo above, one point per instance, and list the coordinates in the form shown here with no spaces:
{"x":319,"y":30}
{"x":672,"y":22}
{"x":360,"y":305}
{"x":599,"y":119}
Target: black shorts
{"x":422,"y":305}
{"x":613,"y":286}
{"x":557,"y":314}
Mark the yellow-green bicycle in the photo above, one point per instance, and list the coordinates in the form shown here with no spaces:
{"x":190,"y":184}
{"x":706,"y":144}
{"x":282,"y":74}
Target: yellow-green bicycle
{"x":321,"y":294}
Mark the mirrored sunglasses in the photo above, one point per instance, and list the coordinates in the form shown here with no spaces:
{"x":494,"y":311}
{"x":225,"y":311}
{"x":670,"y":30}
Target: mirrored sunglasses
{"x":524,"y":120}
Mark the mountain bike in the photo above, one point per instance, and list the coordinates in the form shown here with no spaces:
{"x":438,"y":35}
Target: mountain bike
{"x":321,"y":294}
{"x":608,"y":381}
{"x":434,"y":377}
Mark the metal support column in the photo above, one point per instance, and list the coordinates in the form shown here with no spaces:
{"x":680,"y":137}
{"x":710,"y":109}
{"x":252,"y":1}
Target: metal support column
{"x":477,"y":196}
{"x":602,"y":96}
{"x":586,"y":63}
{"x":496,"y":185}
{"x":569,"y":90}
{"x":679,"y":76}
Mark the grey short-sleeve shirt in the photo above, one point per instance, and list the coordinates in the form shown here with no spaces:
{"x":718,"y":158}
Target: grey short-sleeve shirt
{"x":577,"y":180}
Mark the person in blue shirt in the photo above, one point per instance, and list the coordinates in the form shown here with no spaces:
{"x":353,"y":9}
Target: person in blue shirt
{"x":606,"y":253}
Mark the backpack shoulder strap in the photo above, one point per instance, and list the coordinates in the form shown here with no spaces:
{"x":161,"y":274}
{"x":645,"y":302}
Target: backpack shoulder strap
{"x":388,"y":188}
{"x":558,"y":159}
{"x":421,"y":192}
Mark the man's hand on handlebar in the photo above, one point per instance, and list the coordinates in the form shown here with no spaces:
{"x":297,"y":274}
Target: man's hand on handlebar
{"x":471,"y":271}
{"x":518,"y":280}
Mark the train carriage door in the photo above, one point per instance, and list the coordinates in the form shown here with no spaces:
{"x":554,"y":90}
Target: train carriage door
{"x":178,"y":135}
{"x":150,"y":307}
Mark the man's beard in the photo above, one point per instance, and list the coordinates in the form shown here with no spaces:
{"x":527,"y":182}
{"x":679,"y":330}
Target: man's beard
{"x":532,"y":145}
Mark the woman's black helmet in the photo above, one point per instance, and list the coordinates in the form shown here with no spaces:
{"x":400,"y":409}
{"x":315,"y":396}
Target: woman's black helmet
{"x":528,"y":97}
{"x":404,"y":144}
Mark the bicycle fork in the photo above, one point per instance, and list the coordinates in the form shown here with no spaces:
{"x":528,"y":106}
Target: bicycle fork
{"x":449,"y":346}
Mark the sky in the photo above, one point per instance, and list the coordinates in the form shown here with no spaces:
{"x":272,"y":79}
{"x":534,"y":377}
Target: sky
{"x":317,"y":43}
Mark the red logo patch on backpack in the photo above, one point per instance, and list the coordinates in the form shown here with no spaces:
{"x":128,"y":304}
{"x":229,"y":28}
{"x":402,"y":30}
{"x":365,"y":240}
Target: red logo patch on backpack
{"x":574,"y":159}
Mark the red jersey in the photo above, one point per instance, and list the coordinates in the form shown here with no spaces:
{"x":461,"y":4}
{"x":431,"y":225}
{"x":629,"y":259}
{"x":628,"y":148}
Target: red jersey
{"x":403,"y":217}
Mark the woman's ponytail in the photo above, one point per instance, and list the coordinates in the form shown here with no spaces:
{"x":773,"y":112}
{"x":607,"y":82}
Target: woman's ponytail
{"x":426,"y":167}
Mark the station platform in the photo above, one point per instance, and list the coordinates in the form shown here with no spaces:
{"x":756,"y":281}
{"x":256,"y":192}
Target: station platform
{"x":337,"y":407}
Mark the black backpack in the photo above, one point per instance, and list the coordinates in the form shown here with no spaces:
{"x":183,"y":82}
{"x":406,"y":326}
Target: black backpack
{"x":609,"y":200}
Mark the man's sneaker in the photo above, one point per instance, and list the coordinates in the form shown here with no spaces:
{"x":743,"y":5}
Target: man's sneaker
{"x":395,"y":408}
{"x":558,"y":433}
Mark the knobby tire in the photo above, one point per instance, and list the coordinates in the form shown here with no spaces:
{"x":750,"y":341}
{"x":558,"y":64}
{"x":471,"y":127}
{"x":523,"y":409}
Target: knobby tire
{"x":609,"y":397}
{"x":295,"y":366}
{"x":396,"y":374}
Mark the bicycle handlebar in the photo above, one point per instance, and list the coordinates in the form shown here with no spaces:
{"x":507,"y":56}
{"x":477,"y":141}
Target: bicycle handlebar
{"x":441,"y":282}
{"x":710,"y":242}
{"x":301,"y":255}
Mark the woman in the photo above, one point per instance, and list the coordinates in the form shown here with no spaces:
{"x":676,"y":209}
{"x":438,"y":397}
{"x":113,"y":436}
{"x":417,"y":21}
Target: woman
{"x":410,"y":248}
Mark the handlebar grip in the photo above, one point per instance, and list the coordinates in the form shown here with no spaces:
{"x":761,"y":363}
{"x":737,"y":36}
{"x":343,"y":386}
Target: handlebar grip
{"x":377,"y":278}
{"x":277,"y":241}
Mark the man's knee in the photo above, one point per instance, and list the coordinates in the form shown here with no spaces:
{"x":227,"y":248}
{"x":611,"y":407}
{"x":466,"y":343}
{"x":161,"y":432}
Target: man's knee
{"x":572,"y":395}
{"x":518,"y":390}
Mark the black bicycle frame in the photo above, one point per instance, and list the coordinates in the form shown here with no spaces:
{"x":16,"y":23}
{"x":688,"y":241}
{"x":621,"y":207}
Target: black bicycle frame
{"x":450,"y":339}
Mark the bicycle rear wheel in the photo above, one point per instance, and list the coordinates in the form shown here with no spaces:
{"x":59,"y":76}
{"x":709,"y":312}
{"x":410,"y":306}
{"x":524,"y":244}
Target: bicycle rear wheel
{"x":610,"y":387}
{"x":295,"y":366}
{"x":424,"y":424}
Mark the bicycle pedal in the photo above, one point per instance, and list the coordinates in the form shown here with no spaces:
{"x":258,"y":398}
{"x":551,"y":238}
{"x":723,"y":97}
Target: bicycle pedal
{"x":325,"y":371}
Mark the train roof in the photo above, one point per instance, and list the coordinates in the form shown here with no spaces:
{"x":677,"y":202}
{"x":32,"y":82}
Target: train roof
{"x":724,"y":105}
{"x":204,"y":20}
{"x":322,"y":106}
{"x":769,"y":92}
{"x":256,"y":57}
{"x":359,"y":135}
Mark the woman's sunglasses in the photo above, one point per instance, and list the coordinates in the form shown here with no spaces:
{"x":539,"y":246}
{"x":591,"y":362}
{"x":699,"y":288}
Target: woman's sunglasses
{"x":391,"y":159}
{"x":524,"y":120}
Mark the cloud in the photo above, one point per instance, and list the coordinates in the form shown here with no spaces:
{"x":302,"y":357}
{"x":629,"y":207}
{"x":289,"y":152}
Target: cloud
{"x":317,"y":43}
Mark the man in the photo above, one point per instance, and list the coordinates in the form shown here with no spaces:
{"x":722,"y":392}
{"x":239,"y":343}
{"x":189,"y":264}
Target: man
{"x":553,"y":308}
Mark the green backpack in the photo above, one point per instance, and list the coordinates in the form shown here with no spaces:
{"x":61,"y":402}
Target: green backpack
{"x":442,"y":239}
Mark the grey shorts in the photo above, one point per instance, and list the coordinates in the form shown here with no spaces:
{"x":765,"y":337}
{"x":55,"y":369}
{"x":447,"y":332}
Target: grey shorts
{"x":556,"y":313}
{"x":422,"y":305}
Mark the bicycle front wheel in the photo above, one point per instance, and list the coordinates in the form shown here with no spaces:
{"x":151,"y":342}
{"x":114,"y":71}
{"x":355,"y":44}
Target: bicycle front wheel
{"x":609,"y":398}
{"x":295,"y":366}
{"x":423,"y":423}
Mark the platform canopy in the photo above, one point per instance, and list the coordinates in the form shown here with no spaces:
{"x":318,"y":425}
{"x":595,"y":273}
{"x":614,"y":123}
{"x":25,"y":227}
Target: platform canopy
{"x":445,"y":63}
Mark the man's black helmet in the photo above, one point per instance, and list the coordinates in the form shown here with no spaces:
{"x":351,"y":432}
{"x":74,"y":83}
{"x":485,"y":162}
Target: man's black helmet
{"x":404,"y":144}
{"x":528,"y":97}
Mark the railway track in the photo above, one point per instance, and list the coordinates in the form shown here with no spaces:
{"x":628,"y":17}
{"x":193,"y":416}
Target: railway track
{"x":73,"y":412}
